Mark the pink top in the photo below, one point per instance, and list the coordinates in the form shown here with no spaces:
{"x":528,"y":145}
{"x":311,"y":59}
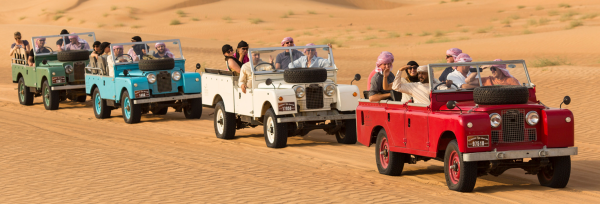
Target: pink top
{"x":246,"y":59}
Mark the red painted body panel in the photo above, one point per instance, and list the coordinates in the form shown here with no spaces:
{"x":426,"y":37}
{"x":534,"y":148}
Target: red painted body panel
{"x":557,"y":132}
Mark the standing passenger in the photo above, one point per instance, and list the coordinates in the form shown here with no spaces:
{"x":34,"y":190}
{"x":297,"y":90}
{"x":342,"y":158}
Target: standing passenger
{"x":283,"y":59}
{"x":137,"y":50}
{"x":59,"y":42}
{"x":459,"y":75}
{"x":19,"y":44}
{"x":451,"y":55}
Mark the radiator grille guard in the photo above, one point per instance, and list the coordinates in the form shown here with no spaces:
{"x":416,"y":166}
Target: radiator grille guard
{"x":79,"y":70}
{"x":314,"y":97}
{"x":163,"y":80}
{"x":513,"y":128}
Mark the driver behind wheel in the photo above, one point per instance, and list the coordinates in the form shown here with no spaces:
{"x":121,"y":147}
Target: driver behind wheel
{"x":245,"y":80}
{"x":39,"y":46}
{"x":419,"y":90}
{"x":310,"y":59}
{"x":77,"y":44}
{"x":118,"y":53}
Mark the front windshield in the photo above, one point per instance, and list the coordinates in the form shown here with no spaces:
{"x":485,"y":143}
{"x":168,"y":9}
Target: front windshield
{"x":133,"y":52}
{"x":47,"y":45}
{"x":304,"y":57}
{"x":465,"y":78}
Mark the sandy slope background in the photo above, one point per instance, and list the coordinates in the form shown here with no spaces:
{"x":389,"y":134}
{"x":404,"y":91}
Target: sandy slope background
{"x":68,"y":156}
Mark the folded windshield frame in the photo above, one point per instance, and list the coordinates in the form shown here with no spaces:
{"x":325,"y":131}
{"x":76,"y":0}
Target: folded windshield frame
{"x":274,"y":49}
{"x":174,"y":41}
{"x":64,"y":36}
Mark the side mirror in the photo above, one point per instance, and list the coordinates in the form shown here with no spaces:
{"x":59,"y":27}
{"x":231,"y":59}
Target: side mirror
{"x":451,"y":105}
{"x":125,"y":72}
{"x":269,"y":82}
{"x":566,"y":101}
{"x":356,"y":78}
{"x":198,"y":66}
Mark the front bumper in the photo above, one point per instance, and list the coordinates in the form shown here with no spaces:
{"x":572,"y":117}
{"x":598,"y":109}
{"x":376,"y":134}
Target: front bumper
{"x":316,"y":118}
{"x":519,"y":154}
{"x":67,"y":87}
{"x":169,"y":98}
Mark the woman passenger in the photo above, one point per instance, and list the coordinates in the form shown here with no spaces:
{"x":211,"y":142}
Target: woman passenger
{"x":233,"y":64}
{"x":500,"y":76}
{"x":241,"y":53}
{"x":19,"y":44}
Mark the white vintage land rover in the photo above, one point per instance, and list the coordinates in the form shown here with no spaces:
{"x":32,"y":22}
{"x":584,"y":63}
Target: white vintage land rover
{"x":286,"y":102}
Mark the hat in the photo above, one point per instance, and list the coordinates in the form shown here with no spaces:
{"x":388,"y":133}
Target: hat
{"x":463,"y":57}
{"x":137,"y":38}
{"x":412,"y":63}
{"x":422,"y":69}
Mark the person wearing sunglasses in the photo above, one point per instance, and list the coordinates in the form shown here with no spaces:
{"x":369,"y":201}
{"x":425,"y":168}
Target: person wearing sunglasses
{"x":283,"y":59}
{"x":241,"y":53}
{"x":137,"y":50}
{"x":310,"y":59}
{"x":233,"y":64}
{"x":19,"y":44}
{"x":59,"y":43}
{"x":418,"y":90}
{"x":500,"y":76}
{"x":451,"y":55}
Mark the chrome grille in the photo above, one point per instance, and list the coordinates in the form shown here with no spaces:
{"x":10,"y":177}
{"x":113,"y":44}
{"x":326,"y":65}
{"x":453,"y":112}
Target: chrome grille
{"x":163,"y":80}
{"x":531,"y":134}
{"x":513,"y":128}
{"x":79,"y":70}
{"x":496,"y":136}
{"x":302,"y":103}
{"x":314,"y":97}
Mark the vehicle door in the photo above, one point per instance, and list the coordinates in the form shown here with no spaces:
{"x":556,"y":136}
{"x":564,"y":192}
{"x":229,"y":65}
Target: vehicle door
{"x":395,"y":113}
{"x":417,"y":126}
{"x":106,"y":83}
{"x":242,"y":101}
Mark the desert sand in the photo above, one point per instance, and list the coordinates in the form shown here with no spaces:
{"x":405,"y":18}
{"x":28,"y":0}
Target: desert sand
{"x":69,"y":156}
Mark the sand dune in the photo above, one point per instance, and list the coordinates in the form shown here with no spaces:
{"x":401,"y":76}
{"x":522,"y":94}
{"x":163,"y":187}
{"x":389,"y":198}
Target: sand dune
{"x":68,"y":156}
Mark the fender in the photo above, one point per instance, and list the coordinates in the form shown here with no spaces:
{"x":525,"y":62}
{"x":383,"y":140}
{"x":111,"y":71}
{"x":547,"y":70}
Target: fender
{"x":261,"y":96}
{"x":347,"y":97}
{"x":192,"y":82}
{"x":126,"y":83}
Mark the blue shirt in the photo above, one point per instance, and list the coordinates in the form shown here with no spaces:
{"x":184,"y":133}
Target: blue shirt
{"x":315,"y":62}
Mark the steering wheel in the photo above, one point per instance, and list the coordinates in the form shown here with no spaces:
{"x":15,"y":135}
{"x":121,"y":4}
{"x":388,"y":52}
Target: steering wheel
{"x":128,"y":56}
{"x":435,"y":88}
{"x":272,"y":67}
{"x":51,"y":51}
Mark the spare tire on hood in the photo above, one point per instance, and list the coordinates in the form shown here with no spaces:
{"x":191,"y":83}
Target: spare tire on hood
{"x":305,"y":75}
{"x":156,"y":64}
{"x":497,"y":95}
{"x":73,"y":55}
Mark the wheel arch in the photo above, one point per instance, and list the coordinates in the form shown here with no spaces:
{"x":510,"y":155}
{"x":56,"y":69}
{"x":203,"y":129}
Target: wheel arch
{"x":19,"y":76}
{"x":445,"y":138}
{"x":118,"y":97}
{"x":266,"y":105}
{"x":216,"y":99}
{"x":374,"y":134}
{"x":94,"y":87}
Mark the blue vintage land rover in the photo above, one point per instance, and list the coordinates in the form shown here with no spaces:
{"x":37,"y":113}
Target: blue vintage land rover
{"x":143,"y":77}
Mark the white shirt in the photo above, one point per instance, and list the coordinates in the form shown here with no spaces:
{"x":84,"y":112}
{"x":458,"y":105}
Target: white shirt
{"x":419,"y":91}
{"x":246,"y":73}
{"x":457,"y":77}
{"x":316,"y":62}
{"x":111,"y":64}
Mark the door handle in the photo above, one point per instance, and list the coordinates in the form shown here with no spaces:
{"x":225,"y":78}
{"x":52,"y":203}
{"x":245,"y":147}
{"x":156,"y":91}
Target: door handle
{"x":409,"y":122}
{"x":388,"y":117}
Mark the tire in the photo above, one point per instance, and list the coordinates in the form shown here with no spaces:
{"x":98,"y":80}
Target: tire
{"x":224,"y":122}
{"x":194,"y":109}
{"x":51,"y":98}
{"x":73,"y":55}
{"x":25,"y":96}
{"x":157,"y":64}
{"x":497,"y":95}
{"x":81,"y":99}
{"x":306,"y":75}
{"x":276,"y":134}
{"x":132,"y":113}
{"x":388,"y":162}
{"x":347,"y":135}
{"x":460,"y":175}
{"x":101,"y":110}
{"x":557,"y":173}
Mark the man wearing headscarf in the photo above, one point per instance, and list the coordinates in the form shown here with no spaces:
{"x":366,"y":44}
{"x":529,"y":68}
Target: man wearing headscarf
{"x":162,"y":51}
{"x":451,"y":56}
{"x":500,"y":76}
{"x":459,"y":75}
{"x":117,"y":51}
{"x":377,"y":69}
{"x":39,"y":46}
{"x":59,"y":42}
{"x":76,"y":44}
{"x":419,"y":90}
{"x":137,"y":50}
{"x":241,"y":53}
{"x":283,"y":59}
{"x":310,"y":59}
{"x":383,"y":69}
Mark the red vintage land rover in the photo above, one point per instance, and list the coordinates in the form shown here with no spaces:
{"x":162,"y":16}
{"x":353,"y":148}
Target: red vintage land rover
{"x":480,"y":131}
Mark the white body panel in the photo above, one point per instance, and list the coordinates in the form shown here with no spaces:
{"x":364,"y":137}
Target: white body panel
{"x":347,"y":101}
{"x":214,"y":85}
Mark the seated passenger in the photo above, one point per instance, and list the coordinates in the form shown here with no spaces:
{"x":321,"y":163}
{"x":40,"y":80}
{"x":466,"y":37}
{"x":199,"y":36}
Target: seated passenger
{"x":459,"y":75}
{"x":19,"y":44}
{"x":451,"y":56}
{"x":310,"y":59}
{"x":118,"y":52}
{"x":420,"y":90}
{"x":233,"y":64}
{"x":377,"y":69}
{"x":383,"y":64}
{"x":30,"y":60}
{"x":96,"y":52}
{"x":77,"y":44}
{"x":500,"y":76}
{"x":137,"y":50}
{"x":245,"y":80}
{"x":59,"y":43}
{"x":102,"y":59}
{"x":40,"y":46}
{"x":241,"y":53}
{"x":282,"y":60}
{"x":162,"y":51}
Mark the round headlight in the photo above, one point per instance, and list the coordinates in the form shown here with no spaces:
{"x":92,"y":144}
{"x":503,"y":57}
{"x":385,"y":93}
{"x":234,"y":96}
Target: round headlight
{"x":68,"y":69}
{"x":151,"y":78}
{"x":176,"y":75}
{"x":532,"y":118}
{"x":495,"y":120}
{"x":330,"y":89}
{"x":299,"y":91}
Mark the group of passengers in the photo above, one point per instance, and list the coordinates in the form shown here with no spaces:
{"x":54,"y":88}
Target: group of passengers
{"x":415,"y":86}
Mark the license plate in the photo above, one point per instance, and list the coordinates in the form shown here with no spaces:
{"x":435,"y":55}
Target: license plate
{"x":58,"y":80}
{"x":287,"y":106}
{"x":142,"y":93}
{"x":478,"y":141}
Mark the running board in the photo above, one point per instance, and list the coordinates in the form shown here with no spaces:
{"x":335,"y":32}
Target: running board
{"x":67,"y":87}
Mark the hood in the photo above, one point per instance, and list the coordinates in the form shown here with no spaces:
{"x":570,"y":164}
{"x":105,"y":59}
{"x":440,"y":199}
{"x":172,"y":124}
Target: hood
{"x":468,"y":105}
{"x":281,"y":84}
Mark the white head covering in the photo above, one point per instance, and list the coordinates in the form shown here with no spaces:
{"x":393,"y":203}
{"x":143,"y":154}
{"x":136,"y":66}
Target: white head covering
{"x":422,"y":68}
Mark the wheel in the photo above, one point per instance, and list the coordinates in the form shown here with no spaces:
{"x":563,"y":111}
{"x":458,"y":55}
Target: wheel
{"x":388,"y":162}
{"x":51,"y":98}
{"x":557,"y":173}
{"x":276,"y":134}
{"x":194,"y":109}
{"x":224,"y":122}
{"x":132,"y":113}
{"x":311,"y":75}
{"x":81,"y":99}
{"x":73,"y":55}
{"x":497,"y":95}
{"x":156,"y":64}
{"x":347,"y":135}
{"x":101,"y":110}
{"x":162,"y":111}
{"x":25,"y":96}
{"x":460,"y":176}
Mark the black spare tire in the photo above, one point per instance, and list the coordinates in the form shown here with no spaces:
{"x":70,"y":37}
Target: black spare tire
{"x":305,"y":75}
{"x":73,"y":55}
{"x":157,"y":64}
{"x":496,"y":95}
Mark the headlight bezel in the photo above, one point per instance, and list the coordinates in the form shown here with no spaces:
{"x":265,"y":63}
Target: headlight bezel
{"x":151,"y":78}
{"x":68,"y":69}
{"x":533,"y":114}
{"x":327,"y":91}
{"x":492,"y":121}
{"x":174,"y":74}
{"x":299,"y":91}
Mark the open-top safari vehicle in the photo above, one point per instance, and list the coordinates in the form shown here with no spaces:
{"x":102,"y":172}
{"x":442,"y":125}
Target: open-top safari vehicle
{"x":286,"y":102}
{"x":151,"y":80}
{"x":58,"y":73}
{"x":475,"y":132}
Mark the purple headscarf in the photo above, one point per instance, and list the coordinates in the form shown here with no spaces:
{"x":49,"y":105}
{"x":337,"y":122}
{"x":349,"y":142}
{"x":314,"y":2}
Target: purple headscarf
{"x":454,"y":52}
{"x":310,"y":44}
{"x":167,"y":51}
{"x":384,"y":58}
{"x":287,"y":39}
